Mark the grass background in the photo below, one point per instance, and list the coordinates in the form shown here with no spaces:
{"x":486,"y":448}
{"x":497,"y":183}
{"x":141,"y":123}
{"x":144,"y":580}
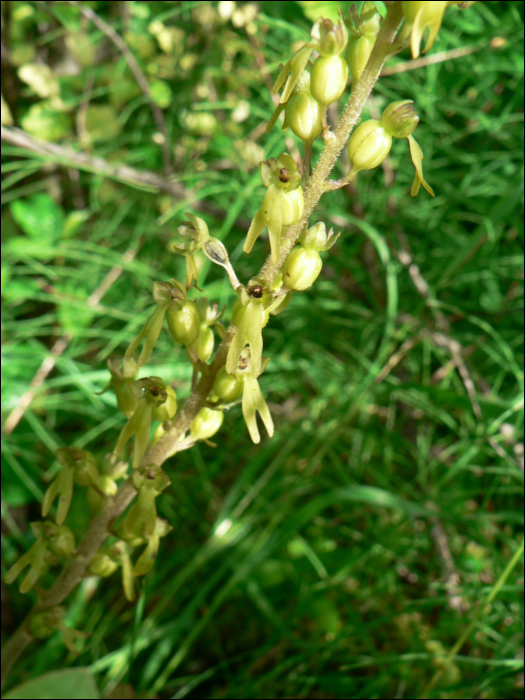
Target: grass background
{"x":342,"y":557}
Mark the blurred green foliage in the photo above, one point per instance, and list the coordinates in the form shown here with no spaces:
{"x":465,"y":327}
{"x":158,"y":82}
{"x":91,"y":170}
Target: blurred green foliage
{"x":322,"y":563}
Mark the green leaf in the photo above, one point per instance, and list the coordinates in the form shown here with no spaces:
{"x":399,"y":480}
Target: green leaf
{"x":73,"y":684}
{"x":39,"y":216}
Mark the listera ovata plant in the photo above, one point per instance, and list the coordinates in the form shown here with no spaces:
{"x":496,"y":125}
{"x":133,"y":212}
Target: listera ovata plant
{"x":312,"y":79}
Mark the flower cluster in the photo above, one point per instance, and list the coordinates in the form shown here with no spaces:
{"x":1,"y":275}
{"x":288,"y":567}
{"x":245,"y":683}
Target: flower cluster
{"x":307,"y":89}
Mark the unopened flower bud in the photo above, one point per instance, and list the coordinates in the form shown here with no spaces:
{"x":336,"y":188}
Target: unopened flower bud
{"x":329,"y":78}
{"x":196,"y":228}
{"x":303,"y":116}
{"x":358,"y":53}
{"x":228,"y":387}
{"x":203,"y":346}
{"x":120,"y":381}
{"x":400,"y":119}
{"x":44,"y":624}
{"x":61,"y":540}
{"x":316,"y":238}
{"x":85,"y":469}
{"x":282,"y":204}
{"x":329,"y":39}
{"x":206,"y":424}
{"x":102,"y":564}
{"x":183,"y":322}
{"x":369,"y":21}
{"x":162,"y":294}
{"x":166,"y":411}
{"x":369,"y":145}
{"x":107,"y":485}
{"x":302,"y":268}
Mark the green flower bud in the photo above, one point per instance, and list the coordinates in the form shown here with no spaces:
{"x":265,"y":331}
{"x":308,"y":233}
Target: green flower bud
{"x":183,"y":322}
{"x":282,"y":205}
{"x":419,"y":16}
{"x":61,"y":541}
{"x":196,"y":228}
{"x":358,"y":53}
{"x":102,"y":563}
{"x":400,"y":119}
{"x":204,"y":344}
{"x":151,"y":393}
{"x":329,"y":78}
{"x":44,"y":624}
{"x":83,"y":463}
{"x":146,"y":560}
{"x":316,"y":238}
{"x":329,"y":39}
{"x":369,"y":21}
{"x":106,"y":485}
{"x":120,"y":385}
{"x":116,"y":469}
{"x":369,"y":145}
{"x":292,"y":206}
{"x":228,"y":387}
{"x":303,"y":116}
{"x":302,"y":268}
{"x":162,"y":295}
{"x":206,"y":424}
{"x":166,"y":411}
{"x":150,"y":481}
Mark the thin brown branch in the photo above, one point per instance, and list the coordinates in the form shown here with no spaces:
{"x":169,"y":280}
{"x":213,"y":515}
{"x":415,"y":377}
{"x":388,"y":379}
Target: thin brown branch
{"x":429,"y":60}
{"x":139,"y":76}
{"x":68,"y":157}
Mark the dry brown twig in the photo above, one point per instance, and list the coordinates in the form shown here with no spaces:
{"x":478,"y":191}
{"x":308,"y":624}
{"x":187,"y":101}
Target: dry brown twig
{"x":69,"y":158}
